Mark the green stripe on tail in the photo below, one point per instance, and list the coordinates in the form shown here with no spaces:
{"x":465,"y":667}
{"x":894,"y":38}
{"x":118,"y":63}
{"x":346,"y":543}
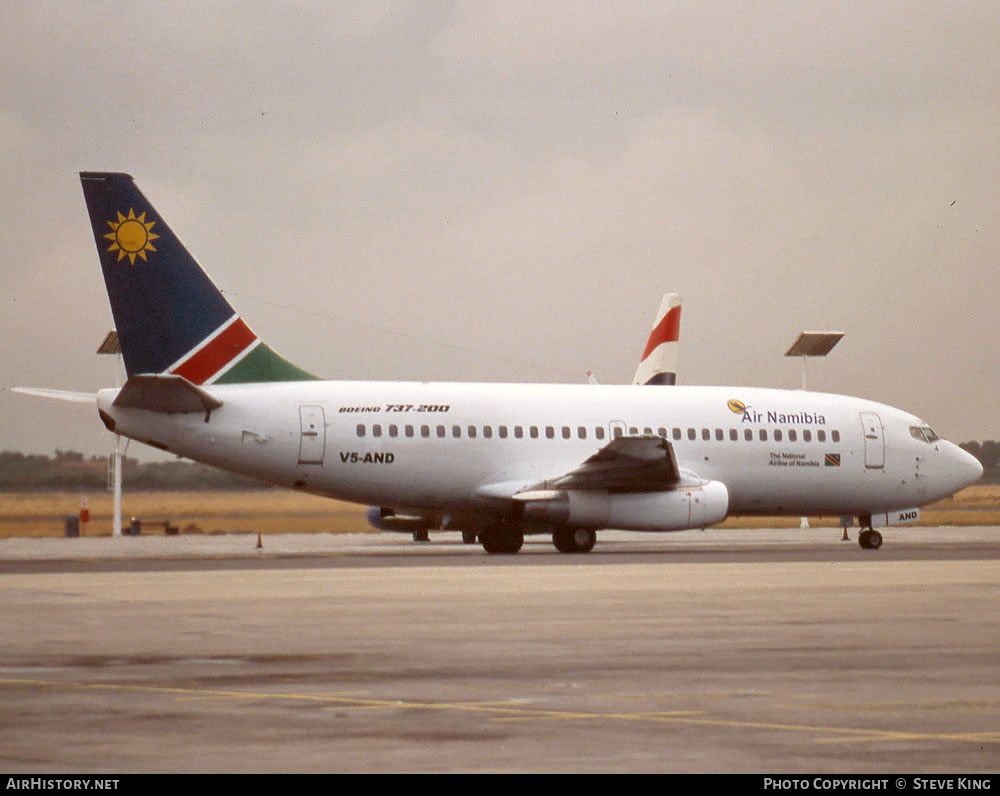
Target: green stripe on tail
{"x":260,"y":365}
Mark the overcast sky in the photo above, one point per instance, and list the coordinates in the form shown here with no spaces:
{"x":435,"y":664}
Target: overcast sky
{"x":504,"y":191}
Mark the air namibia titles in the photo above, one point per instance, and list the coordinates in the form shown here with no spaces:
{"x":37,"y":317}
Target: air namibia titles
{"x":796,"y":419}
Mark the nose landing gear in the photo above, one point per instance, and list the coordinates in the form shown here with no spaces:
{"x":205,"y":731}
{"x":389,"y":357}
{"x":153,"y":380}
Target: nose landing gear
{"x":870,"y":539}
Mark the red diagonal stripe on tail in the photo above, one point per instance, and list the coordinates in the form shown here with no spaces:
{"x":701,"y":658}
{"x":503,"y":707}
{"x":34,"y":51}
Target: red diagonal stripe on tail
{"x":218,"y":353}
{"x":667,"y":331}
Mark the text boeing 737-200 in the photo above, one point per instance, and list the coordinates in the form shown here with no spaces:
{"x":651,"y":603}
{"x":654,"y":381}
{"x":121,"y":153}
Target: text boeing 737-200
{"x":498,"y":460}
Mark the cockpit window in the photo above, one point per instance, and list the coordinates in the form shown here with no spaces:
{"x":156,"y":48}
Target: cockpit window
{"x":923,"y":433}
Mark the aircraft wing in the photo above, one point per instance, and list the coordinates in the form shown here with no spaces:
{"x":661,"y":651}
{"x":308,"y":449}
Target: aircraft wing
{"x":626,"y":464}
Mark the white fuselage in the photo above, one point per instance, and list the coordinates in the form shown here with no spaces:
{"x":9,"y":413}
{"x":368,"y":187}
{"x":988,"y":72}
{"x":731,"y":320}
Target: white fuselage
{"x":469,"y":447}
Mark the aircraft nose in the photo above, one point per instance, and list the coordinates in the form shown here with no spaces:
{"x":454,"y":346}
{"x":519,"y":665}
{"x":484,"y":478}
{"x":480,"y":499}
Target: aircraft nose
{"x":967,"y":468}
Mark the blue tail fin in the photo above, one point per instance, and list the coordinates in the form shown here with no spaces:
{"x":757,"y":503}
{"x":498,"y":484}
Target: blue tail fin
{"x":169,"y":315}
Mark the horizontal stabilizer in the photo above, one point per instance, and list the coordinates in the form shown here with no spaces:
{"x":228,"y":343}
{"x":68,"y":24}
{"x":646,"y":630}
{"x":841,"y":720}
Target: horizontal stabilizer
{"x":164,"y":393}
{"x":58,"y":395}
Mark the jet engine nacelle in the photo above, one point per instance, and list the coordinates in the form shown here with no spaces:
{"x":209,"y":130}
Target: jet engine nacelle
{"x":675,"y":509}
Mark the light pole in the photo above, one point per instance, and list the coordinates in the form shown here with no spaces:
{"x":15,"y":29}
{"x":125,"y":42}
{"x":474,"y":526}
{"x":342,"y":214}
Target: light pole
{"x":812,"y":344}
{"x":110,"y":345}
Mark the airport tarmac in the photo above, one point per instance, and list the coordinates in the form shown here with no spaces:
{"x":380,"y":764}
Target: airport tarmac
{"x":778,"y":651}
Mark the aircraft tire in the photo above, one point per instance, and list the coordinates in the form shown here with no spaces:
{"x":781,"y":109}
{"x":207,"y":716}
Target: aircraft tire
{"x":574,"y":540}
{"x":503,"y":538}
{"x":469,"y":537}
{"x":870,"y":539}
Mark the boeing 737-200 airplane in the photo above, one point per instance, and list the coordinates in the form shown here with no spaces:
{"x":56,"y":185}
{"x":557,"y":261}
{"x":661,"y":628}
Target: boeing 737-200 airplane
{"x":499,"y":460}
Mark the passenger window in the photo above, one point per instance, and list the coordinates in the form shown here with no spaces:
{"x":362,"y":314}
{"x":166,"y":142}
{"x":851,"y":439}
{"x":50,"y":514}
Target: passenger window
{"x":549,"y":432}
{"x":706,"y":434}
{"x":408,"y":430}
{"x":488,"y":432}
{"x":692,"y":434}
{"x":807,"y":435}
{"x":617,"y":431}
{"x":503,"y":432}
{"x":763,"y":435}
{"x":835,"y":435}
{"x":661,"y":432}
{"x":647,"y":431}
{"x":719,"y":435}
{"x":518,"y":432}
{"x":566,"y":432}
{"x":393,"y":431}
{"x":777,"y":435}
{"x":440,"y":431}
{"x":581,"y":432}
{"x":748,"y":434}
{"x":456,"y":431}
{"x":533,"y":432}
{"x":425,"y":431}
{"x":472,"y":432}
{"x":821,"y":436}
{"x":599,"y":432}
{"x":733,"y":435}
{"x":677,"y":433}
{"x":361,"y":429}
{"x":633,"y":431}
{"x":376,"y":430}
{"x":792,"y":435}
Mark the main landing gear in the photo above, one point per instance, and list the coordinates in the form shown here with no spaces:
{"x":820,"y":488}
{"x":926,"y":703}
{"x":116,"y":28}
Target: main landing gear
{"x":508,"y":537}
{"x":574,"y":540}
{"x":503,"y":537}
{"x":870,"y":539}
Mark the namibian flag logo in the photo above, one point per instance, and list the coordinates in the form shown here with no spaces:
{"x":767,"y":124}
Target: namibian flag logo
{"x":833,"y":460}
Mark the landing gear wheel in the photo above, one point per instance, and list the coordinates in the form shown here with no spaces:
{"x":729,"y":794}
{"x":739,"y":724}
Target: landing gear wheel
{"x":468,"y":537}
{"x":870,"y":539}
{"x":574,"y":540}
{"x":502,"y":538}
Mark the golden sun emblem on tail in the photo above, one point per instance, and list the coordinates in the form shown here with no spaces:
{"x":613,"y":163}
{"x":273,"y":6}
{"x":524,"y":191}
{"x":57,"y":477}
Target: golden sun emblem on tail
{"x":131,"y":236}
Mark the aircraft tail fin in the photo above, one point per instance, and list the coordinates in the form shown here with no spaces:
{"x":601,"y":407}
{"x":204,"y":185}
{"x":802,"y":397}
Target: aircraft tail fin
{"x":170,"y":316}
{"x":658,"y":364}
